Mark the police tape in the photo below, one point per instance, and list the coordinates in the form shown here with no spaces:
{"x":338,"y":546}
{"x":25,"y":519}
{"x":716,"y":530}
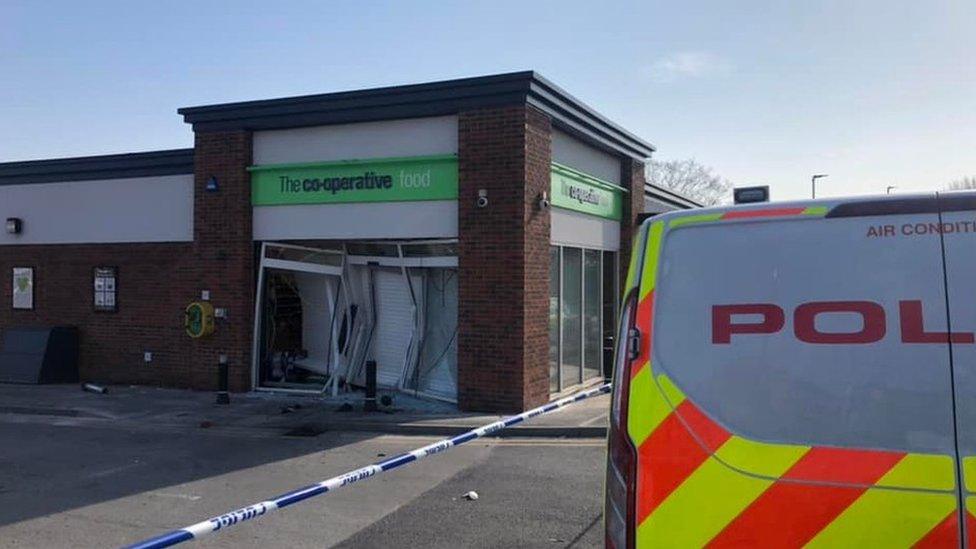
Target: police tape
{"x":253,"y":511}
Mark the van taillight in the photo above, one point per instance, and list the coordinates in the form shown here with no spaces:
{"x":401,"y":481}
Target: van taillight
{"x":621,"y":483}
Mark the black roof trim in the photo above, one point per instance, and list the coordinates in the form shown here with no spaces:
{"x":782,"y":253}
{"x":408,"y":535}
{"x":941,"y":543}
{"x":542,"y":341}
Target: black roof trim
{"x":943,"y":202}
{"x":420,"y":100}
{"x":571,"y":113}
{"x":111,"y":166}
{"x":668,"y":196}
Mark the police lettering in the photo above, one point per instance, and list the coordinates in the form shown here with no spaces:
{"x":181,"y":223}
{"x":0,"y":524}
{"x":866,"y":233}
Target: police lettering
{"x":768,"y":318}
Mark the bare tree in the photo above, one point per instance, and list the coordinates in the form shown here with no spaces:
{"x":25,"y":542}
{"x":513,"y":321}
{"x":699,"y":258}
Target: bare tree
{"x":688,"y":177}
{"x":966,"y":183}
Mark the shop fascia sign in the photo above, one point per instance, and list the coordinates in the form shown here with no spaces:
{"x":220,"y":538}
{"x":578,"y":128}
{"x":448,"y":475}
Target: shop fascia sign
{"x":575,"y":190}
{"x":347,"y":181}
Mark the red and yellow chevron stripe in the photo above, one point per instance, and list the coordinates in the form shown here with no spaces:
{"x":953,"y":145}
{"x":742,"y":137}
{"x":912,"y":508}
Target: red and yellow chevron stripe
{"x":700,"y":485}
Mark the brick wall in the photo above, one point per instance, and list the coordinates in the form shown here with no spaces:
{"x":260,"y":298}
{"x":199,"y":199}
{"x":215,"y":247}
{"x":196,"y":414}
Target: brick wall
{"x":224,"y":254}
{"x":156,"y":282}
{"x":150,"y":303}
{"x":503,"y":259}
{"x":535,"y":277}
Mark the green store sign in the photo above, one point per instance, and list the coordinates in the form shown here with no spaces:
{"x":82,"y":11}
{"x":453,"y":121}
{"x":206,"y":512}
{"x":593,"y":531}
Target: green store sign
{"x":574,"y":190}
{"x":374,"y":180}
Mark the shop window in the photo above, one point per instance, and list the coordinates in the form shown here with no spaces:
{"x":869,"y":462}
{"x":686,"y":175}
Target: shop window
{"x":304,"y":255}
{"x":375,"y":249}
{"x":436,"y":371}
{"x":611,"y":299}
{"x":554,"y":269}
{"x":445,"y":249}
{"x":106,"y":283}
{"x":23,"y":288}
{"x":592,"y":321}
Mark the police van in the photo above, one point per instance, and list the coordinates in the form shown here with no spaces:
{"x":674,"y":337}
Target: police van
{"x":798,"y":374}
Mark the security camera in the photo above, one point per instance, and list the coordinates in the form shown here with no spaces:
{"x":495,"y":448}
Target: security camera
{"x":482,"y":198}
{"x":544,"y":203}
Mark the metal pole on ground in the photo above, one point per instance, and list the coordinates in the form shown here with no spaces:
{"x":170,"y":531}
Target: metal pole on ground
{"x":223,"y":381}
{"x":369,"y":404}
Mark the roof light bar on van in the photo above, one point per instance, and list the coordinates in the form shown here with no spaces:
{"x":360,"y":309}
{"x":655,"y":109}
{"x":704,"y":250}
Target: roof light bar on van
{"x":751,"y":195}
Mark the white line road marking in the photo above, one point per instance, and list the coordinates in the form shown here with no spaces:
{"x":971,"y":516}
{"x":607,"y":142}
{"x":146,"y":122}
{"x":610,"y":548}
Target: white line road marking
{"x":113,"y":470}
{"x":601,"y":420}
{"x":187,"y":497}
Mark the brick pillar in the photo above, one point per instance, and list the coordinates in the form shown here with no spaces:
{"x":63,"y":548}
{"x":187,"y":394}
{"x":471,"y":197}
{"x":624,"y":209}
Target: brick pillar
{"x":503,"y":259}
{"x":632,"y":178}
{"x":224,"y":255}
{"x":535,"y":277}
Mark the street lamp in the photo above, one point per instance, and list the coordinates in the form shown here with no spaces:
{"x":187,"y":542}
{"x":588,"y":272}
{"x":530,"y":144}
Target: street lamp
{"x":813,"y":183}
{"x":891,"y":188}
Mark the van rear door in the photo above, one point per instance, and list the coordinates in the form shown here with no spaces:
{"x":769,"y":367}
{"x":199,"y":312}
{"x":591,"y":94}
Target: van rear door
{"x":958,"y":235}
{"x":791,"y":397}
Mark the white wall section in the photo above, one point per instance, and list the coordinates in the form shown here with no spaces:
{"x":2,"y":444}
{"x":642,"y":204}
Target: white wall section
{"x":571,"y":228}
{"x":384,"y":139}
{"x":569,"y":151}
{"x":422,"y":219}
{"x":140,"y":209}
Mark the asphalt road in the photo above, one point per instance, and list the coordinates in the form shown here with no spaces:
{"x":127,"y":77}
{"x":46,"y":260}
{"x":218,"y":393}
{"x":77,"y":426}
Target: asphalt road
{"x":530,"y":494}
{"x":73,"y":485}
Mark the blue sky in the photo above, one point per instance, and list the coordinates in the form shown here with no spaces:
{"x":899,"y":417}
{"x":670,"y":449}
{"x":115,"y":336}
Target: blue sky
{"x":874,"y":93}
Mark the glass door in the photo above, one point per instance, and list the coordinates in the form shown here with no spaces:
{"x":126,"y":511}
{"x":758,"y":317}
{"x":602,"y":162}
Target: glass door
{"x":583,"y":304}
{"x":572,"y":316}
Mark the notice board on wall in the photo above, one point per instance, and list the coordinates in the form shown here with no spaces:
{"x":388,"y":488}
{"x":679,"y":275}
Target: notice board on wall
{"x":23,"y":288}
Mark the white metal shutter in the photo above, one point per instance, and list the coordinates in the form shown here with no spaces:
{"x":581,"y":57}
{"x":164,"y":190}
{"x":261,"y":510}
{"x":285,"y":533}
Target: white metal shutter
{"x":394,"y":325}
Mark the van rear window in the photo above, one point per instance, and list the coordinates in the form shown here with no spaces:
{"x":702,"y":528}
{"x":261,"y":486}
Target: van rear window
{"x":809,"y":331}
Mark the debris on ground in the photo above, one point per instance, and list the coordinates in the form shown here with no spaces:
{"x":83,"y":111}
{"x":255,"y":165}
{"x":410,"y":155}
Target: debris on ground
{"x":470,"y":496}
{"x":206,"y":424}
{"x":291,"y":408}
{"x":92,"y":388}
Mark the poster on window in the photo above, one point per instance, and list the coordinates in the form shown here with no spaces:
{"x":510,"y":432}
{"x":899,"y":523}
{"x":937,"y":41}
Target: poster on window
{"x":105,"y":283}
{"x":23,"y":294}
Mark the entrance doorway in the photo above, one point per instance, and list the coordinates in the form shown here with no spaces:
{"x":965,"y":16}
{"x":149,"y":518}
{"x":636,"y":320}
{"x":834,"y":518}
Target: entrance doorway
{"x":583,"y":301}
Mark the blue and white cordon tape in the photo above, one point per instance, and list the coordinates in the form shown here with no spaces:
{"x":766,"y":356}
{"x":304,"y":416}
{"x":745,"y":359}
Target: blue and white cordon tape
{"x":225,"y":521}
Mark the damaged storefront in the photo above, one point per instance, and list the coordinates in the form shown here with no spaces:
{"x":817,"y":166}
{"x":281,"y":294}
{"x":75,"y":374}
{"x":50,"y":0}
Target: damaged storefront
{"x":323,"y":312}
{"x":358,"y":258}
{"x":468,"y":237}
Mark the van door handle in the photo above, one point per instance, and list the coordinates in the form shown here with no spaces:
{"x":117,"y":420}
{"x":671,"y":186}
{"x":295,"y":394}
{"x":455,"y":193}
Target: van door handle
{"x":633,"y":343}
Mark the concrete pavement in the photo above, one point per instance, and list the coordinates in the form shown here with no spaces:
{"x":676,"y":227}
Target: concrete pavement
{"x":105,"y":487}
{"x":83,"y":469}
{"x":169,"y":410}
{"x":532,"y":493}
{"x":85,"y":486}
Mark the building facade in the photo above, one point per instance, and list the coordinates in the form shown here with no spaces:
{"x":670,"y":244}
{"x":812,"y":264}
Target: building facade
{"x":466,"y":235}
